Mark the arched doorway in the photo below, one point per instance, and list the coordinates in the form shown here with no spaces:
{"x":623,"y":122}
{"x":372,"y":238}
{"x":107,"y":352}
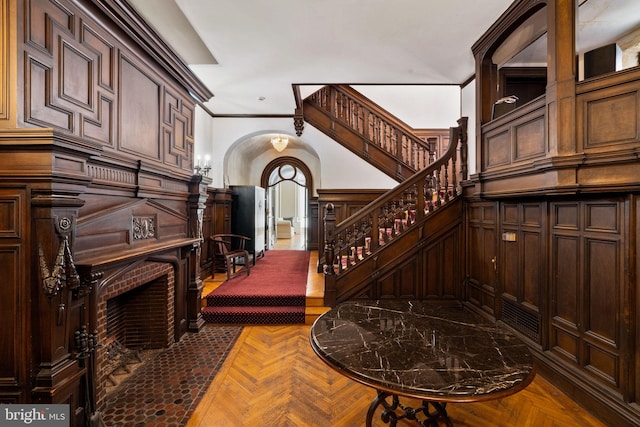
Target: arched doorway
{"x":288,"y":182}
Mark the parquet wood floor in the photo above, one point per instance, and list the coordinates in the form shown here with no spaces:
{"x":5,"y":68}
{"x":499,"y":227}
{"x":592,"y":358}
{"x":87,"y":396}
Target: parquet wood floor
{"x":272,"y":378}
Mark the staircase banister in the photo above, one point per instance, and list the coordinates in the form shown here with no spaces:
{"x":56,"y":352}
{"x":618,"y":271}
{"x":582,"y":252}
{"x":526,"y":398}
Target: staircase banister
{"x":416,"y":179}
{"x":376,"y":109}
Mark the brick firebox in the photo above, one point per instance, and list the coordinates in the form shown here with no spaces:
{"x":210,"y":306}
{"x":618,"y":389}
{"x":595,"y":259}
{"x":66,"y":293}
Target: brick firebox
{"x":141,"y":314}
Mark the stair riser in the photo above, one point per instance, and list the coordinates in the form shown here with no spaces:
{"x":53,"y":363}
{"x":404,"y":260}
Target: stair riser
{"x":255,"y":318}
{"x":257,"y":301}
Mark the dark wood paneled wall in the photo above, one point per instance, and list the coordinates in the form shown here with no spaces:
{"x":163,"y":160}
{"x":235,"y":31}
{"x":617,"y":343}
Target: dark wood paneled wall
{"x":561,"y":280}
{"x":216,"y":220}
{"x":96,"y":149}
{"x":552,"y":229}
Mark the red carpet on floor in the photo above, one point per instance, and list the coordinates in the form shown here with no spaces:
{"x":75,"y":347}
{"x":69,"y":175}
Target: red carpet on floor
{"x":274,"y":292}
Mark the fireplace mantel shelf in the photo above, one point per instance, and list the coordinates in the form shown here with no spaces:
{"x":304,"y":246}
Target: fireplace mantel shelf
{"x":88,"y":261}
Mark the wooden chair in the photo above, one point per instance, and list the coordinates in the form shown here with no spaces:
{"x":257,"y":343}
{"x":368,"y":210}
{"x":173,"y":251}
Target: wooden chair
{"x":227,"y":250}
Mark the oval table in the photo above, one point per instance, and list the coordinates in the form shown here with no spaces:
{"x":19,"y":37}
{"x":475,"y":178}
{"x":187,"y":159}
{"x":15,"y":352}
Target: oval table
{"x":434,"y":352}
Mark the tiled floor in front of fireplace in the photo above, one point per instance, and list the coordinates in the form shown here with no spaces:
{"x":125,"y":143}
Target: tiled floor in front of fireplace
{"x":164,"y":391}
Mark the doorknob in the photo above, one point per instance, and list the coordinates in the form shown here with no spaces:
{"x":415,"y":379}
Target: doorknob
{"x":494,"y":262}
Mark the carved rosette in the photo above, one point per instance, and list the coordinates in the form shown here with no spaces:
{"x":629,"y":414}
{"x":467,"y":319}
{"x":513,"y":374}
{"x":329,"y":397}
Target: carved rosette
{"x":143,"y":227}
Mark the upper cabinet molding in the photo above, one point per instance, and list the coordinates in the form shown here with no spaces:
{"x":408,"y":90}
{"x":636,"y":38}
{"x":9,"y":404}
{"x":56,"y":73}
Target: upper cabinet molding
{"x":134,"y":25}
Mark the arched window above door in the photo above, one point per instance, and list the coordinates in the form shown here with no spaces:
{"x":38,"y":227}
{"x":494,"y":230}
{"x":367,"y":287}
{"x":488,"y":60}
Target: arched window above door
{"x":287,"y":172}
{"x":287,"y":169}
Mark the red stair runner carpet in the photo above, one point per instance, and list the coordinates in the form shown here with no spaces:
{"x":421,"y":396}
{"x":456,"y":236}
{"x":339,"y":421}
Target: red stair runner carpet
{"x":274,"y":292}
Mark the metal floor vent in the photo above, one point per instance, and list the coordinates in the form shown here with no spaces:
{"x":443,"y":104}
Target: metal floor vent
{"x":524,"y":321}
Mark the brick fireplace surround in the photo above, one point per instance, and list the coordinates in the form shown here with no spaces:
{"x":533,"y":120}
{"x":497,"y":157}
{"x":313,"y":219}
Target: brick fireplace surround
{"x":149,"y":308}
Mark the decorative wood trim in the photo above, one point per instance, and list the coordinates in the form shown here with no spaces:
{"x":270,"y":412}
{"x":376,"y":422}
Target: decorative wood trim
{"x":7,"y":40}
{"x":135,"y":27}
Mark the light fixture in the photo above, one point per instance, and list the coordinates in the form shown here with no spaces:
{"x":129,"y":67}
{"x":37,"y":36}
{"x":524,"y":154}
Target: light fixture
{"x":201,"y":169}
{"x":279,"y":143}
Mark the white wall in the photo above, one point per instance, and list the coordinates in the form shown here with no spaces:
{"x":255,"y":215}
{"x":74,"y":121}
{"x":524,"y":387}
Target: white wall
{"x":239,"y":147}
{"x":419,"y":106}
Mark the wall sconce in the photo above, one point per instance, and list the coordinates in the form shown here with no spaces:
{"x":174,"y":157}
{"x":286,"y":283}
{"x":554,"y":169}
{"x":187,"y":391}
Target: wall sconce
{"x":279,"y":143}
{"x":202,"y":169}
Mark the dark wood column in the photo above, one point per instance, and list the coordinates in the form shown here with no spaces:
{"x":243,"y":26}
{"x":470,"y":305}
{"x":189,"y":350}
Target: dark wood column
{"x":561,"y":78}
{"x":197,"y":200}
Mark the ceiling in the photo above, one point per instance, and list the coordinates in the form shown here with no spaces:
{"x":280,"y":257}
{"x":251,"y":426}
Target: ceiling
{"x":249,"y":53}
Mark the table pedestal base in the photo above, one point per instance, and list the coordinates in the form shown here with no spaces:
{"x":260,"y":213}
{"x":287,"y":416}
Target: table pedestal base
{"x":395,"y":411}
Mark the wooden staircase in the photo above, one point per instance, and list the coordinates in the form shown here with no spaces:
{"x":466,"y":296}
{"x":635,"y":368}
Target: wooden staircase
{"x":408,"y":242}
{"x":366,"y":129}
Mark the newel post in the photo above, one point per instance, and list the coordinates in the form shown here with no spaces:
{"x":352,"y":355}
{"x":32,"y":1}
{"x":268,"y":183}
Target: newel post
{"x":462,"y":124}
{"x":329,"y":255}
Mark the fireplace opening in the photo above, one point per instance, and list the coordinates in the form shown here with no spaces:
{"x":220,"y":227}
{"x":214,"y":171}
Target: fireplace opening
{"x":135,"y":323}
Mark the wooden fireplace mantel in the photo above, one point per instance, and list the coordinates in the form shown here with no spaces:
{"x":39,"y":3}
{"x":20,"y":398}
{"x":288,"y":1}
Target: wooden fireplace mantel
{"x":111,"y":259}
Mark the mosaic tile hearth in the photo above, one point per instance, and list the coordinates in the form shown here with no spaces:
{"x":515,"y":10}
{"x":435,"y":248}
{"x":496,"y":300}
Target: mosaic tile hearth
{"x":166,"y":389}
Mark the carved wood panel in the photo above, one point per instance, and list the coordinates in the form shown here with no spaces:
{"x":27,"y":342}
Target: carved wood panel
{"x":519,"y":139}
{"x":608,"y":116}
{"x":442,"y":266}
{"x":587,"y":286}
{"x":13,"y":368}
{"x":91,"y":83}
{"x":402,"y":282}
{"x":6,"y":101}
{"x":481,"y":232}
{"x":521,"y":266}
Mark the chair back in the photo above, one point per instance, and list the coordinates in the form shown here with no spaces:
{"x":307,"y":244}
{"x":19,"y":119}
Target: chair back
{"x":221,"y":246}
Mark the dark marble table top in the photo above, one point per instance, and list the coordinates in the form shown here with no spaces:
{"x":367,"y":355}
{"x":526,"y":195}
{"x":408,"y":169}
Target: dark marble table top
{"x":439,"y":352}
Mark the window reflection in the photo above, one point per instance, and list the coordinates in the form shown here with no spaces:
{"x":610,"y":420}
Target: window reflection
{"x":608,"y":36}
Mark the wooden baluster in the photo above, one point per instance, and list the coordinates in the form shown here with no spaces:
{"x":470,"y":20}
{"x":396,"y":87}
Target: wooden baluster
{"x":446,"y":182}
{"x":333,"y":111}
{"x":437,"y":187}
{"x":384,"y":136}
{"x":387,"y":137}
{"x":326,"y":98}
{"x":361,"y":127}
{"x":428,"y":193}
{"x":393,"y":148}
{"x":349,"y":247}
{"x":356,"y":118}
{"x":433,"y":142}
{"x":372,"y":128}
{"x":366,"y":237}
{"x":356,"y":243}
{"x":375,"y":232}
{"x":425,"y":158}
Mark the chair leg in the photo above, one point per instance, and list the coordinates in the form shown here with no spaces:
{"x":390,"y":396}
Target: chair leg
{"x":246,"y":262}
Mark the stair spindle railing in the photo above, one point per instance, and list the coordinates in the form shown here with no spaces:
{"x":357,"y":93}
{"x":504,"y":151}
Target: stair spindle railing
{"x":358,"y":237}
{"x":373,"y":123}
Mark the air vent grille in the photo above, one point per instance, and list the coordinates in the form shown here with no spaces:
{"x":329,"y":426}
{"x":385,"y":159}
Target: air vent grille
{"x":524,"y":321}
